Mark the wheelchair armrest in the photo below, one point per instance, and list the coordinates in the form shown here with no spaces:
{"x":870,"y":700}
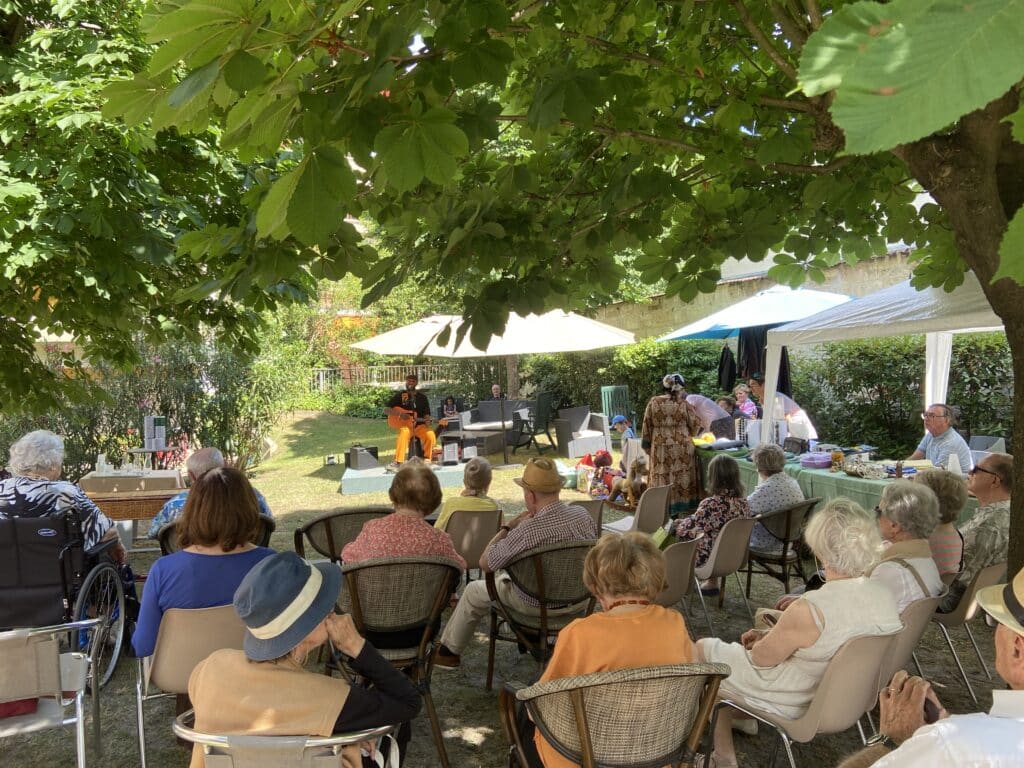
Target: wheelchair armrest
{"x":102,"y":548}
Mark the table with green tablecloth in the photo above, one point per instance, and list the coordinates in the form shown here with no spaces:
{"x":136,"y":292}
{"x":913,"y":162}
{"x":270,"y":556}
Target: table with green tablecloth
{"x":821,"y":483}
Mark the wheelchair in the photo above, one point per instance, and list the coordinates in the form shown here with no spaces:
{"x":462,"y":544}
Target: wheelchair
{"x":47,"y":577}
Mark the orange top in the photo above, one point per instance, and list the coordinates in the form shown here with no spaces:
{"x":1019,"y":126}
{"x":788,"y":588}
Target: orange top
{"x":604,"y":642}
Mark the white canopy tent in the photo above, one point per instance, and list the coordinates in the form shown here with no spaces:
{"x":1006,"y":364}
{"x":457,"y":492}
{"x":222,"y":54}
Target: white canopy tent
{"x":899,"y":310}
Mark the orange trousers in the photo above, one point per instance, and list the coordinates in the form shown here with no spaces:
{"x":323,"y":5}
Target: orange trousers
{"x":405,"y":435}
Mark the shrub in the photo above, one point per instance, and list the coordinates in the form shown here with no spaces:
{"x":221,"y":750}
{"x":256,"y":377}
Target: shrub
{"x":870,"y":391}
{"x":361,"y":401}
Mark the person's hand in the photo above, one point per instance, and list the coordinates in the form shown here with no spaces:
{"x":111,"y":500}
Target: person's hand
{"x":343,"y":634}
{"x":749,"y":638}
{"x":524,"y":515}
{"x":784,"y":602}
{"x":901,"y":706}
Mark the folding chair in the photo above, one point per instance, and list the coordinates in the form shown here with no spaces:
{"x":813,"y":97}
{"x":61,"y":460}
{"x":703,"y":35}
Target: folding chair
{"x":651,"y":512}
{"x":471,"y":531}
{"x":32,"y":666}
{"x":231,"y":751}
{"x":847,"y":690}
{"x":728,"y":554}
{"x":185,"y":638}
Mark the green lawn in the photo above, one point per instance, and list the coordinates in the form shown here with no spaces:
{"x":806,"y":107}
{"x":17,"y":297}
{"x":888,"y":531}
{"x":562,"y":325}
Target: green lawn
{"x":298,"y":486}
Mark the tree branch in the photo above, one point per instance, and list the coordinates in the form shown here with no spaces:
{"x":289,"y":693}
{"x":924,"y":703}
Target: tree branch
{"x":762,"y":40}
{"x":814,"y":12}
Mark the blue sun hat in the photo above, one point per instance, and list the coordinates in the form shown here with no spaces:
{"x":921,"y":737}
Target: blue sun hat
{"x":281,"y":600}
{"x":618,"y":420}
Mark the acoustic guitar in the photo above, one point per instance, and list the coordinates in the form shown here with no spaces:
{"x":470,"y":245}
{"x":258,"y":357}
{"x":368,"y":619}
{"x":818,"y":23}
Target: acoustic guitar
{"x":404,"y":417}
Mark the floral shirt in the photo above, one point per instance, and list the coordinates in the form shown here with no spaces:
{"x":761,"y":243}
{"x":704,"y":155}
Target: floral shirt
{"x":986,"y":542}
{"x":172,"y":510}
{"x":33,"y":497}
{"x":709,"y":518}
{"x":398,"y":535}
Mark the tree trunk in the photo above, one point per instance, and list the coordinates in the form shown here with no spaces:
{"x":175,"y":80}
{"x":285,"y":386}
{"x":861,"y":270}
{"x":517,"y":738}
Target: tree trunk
{"x":975,"y":174}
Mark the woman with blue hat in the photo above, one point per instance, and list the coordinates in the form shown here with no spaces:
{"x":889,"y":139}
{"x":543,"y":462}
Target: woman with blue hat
{"x":287,"y":605}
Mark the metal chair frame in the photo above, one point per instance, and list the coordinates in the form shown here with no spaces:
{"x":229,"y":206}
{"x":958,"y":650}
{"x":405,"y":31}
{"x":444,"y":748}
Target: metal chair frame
{"x":792,"y":534}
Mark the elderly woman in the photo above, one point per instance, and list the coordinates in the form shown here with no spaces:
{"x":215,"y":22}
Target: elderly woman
{"x":416,"y":493}
{"x":907,"y":515}
{"x":669,"y":426}
{"x":778,"y":670}
{"x":947,"y":543}
{"x":214,"y":532}
{"x":36,"y":490}
{"x":476,"y":481}
{"x":625,"y":573}
{"x":775,"y":490}
{"x":725,"y":501}
{"x":287,"y":605}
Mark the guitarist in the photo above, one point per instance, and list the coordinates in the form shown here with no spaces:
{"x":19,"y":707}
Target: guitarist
{"x":409,"y":412}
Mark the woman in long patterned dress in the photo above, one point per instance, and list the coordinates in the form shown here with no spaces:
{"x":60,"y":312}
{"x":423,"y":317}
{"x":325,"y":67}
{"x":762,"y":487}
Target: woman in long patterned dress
{"x":670,"y":423}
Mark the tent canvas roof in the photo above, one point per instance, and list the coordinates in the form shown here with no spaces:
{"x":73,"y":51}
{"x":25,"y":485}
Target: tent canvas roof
{"x":895,"y":311}
{"x":774,"y":306}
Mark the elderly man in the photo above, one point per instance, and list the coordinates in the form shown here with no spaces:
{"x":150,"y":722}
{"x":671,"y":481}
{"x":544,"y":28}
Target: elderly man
{"x":941,"y":440}
{"x":987,"y":533}
{"x":409,"y":410}
{"x":496,"y":393}
{"x":197,"y":465}
{"x":977,"y":739}
{"x":36,"y":490}
{"x":547,"y":520}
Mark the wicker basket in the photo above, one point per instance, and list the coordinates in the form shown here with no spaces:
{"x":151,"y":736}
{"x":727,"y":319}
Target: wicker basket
{"x":135,"y":505}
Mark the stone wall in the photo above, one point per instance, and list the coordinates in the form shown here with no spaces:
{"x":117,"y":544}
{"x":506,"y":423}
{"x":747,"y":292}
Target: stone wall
{"x":661,"y":315}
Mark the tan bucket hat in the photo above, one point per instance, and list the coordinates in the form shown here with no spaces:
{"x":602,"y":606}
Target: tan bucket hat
{"x":540,"y":476}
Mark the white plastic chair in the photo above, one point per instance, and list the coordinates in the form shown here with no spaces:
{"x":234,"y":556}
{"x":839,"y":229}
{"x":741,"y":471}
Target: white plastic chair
{"x":32,"y":666}
{"x":651,"y":512}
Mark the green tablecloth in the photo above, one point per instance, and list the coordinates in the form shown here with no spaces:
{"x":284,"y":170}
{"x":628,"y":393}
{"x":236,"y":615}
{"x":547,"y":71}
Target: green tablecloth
{"x":820,"y":482}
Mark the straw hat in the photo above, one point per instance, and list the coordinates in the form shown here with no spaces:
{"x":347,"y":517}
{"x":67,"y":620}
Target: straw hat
{"x":540,"y":476}
{"x":1005,"y":603}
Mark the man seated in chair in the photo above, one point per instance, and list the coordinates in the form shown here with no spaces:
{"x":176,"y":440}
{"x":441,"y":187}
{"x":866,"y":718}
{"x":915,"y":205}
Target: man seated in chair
{"x":197,"y":465}
{"x":987,"y":534}
{"x":547,"y":520}
{"x":409,"y":412}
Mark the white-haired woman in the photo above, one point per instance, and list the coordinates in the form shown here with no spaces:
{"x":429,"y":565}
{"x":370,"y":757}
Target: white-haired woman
{"x":36,"y":490}
{"x":907,"y":515}
{"x":779,"y":669}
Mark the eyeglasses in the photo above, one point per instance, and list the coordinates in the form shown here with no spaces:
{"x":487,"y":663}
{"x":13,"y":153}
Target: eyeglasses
{"x":975,"y":469}
{"x":990,"y":620}
{"x":927,"y":416}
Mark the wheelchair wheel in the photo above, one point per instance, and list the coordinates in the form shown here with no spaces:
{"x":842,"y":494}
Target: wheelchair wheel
{"x":102,"y":596}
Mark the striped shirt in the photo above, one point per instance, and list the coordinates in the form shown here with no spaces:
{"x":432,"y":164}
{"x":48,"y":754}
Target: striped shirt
{"x":947,"y":548}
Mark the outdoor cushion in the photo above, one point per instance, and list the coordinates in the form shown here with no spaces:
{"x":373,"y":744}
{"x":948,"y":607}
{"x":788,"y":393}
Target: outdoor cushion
{"x":578,"y":418}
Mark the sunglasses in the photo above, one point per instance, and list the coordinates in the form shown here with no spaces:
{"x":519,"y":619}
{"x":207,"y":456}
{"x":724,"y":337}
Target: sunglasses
{"x":975,"y":469}
{"x":990,"y":620}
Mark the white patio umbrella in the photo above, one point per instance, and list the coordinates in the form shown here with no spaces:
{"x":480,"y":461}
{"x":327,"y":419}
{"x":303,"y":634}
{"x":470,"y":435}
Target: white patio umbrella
{"x":773,"y":306}
{"x":554,"y":331}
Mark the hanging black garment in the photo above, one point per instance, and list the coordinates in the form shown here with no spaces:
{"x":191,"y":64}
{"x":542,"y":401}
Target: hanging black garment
{"x":726,"y":370}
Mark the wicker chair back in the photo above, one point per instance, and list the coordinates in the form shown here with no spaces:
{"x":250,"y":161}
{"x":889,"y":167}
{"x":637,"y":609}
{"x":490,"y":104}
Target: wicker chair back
{"x":644,"y":718}
{"x":329,"y":533}
{"x":398,"y":593}
{"x":552,"y":573}
{"x":168,"y":535}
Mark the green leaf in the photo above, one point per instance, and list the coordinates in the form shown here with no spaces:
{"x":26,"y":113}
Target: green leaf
{"x":322,"y":194}
{"x":197,"y":32}
{"x":1016,"y":121}
{"x":273,"y":211}
{"x":546,"y":108}
{"x":196,"y":83}
{"x":932,"y":62}
{"x":244,"y":71}
{"x":132,"y":100}
{"x":487,"y":62}
{"x":426,"y":147}
{"x":1011,"y":251}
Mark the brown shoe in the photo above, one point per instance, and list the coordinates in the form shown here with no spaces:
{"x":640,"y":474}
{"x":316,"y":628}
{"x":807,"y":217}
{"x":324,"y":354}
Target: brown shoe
{"x":445,"y":658}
